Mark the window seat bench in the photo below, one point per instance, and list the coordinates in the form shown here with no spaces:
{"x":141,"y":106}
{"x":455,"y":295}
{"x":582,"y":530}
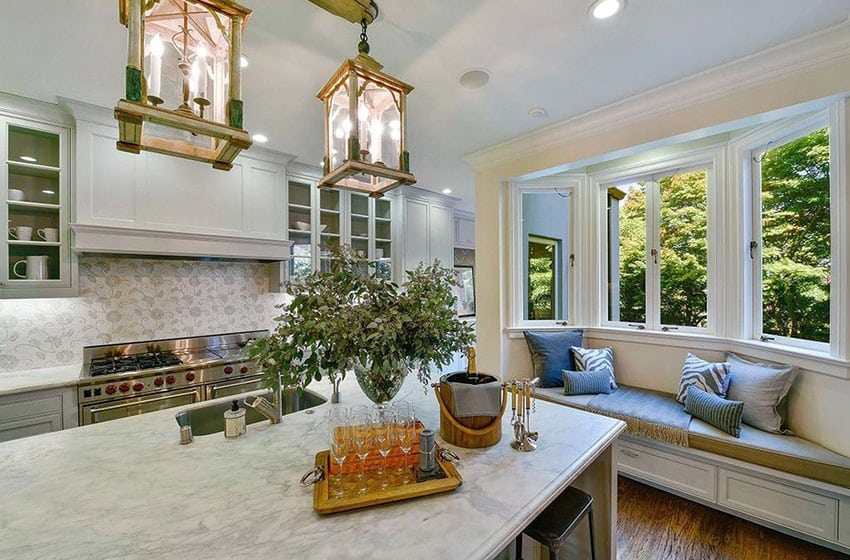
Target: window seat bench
{"x":784,"y":482}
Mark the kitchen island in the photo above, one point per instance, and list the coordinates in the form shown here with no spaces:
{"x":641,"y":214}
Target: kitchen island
{"x":127,"y":489}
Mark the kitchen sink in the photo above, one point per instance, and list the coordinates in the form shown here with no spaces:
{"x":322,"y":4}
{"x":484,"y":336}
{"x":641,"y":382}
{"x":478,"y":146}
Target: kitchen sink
{"x":210,"y":419}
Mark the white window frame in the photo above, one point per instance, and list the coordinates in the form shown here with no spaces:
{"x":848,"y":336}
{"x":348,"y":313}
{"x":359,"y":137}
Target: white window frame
{"x":713,"y":160}
{"x":570,"y":186}
{"x":791,"y":131}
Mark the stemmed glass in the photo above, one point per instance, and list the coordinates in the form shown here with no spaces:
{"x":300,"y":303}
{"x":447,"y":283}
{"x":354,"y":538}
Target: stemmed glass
{"x":340,"y":439}
{"x":384,"y":435}
{"x":362,"y":440}
{"x":405,"y":428}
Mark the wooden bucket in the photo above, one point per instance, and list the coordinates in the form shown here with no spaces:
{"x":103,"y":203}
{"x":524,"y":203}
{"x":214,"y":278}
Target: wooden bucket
{"x":472,"y":431}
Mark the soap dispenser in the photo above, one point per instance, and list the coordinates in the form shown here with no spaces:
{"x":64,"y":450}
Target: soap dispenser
{"x":234,"y":421}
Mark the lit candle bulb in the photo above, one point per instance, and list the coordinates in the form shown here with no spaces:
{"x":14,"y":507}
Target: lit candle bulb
{"x":201,"y":61}
{"x":155,"y":80}
{"x":193,"y":79}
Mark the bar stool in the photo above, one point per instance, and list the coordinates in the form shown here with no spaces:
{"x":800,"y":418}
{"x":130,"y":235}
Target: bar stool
{"x":558,"y":520}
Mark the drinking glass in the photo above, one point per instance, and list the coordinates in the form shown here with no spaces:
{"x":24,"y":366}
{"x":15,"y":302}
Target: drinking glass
{"x":384,"y":433}
{"x":340,"y":439}
{"x":362,"y":441}
{"x":405,"y":425}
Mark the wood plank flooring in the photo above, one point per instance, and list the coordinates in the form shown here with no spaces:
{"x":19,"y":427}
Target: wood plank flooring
{"x":655,"y":525}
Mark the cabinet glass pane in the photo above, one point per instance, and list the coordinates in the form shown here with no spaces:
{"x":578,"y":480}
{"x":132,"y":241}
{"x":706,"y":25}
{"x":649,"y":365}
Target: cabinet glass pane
{"x":329,"y":200}
{"x":359,"y":205}
{"x":33,"y":147}
{"x":329,"y":223}
{"x":383,"y":230}
{"x":34,"y":262}
{"x":383,"y":209}
{"x":299,"y":193}
{"x":359,"y":227}
{"x":329,"y":243}
{"x":360,"y":246}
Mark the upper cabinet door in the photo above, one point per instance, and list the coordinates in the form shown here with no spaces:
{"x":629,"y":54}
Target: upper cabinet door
{"x":441,"y":235}
{"x":464,"y":232}
{"x":35,"y":260}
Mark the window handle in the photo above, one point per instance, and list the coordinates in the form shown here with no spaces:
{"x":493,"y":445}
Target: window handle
{"x":638,"y":327}
{"x":665,"y":328}
{"x":765,"y":338}
{"x":562,"y":323}
{"x":753,"y":246}
{"x":572,"y":260}
{"x":654,"y":253}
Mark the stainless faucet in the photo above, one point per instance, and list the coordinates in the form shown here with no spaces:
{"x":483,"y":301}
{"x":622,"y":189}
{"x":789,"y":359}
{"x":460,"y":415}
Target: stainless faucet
{"x":271,"y":410}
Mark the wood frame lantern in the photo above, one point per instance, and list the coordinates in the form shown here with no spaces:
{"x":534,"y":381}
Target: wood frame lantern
{"x":200,"y":77}
{"x":365,"y":118}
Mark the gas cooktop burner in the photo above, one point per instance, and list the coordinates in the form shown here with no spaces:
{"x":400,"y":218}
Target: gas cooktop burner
{"x":134,"y":362}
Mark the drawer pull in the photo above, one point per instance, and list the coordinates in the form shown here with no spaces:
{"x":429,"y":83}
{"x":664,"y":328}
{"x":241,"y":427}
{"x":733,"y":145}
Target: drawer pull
{"x":628,"y":453}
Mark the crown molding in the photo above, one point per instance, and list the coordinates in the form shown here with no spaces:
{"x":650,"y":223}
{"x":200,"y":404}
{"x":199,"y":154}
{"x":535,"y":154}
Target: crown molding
{"x":807,"y":53}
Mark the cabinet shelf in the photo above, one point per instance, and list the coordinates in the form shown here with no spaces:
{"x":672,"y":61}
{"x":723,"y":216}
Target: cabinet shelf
{"x":360,"y":237}
{"x":382,"y":240}
{"x":299,"y":206}
{"x":330,"y":235}
{"x":23,"y":205}
{"x":32,"y":169}
{"x":35,"y":243}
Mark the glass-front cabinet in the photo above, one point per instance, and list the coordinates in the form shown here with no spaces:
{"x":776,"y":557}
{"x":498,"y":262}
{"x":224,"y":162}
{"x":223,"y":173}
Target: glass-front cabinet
{"x":36,"y":257}
{"x":322,"y":220}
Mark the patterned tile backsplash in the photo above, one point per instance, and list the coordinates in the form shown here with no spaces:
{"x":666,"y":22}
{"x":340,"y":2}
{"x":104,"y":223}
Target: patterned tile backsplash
{"x":127,"y":299}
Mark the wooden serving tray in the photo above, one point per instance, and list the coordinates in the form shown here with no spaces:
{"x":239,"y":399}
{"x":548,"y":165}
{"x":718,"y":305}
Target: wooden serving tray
{"x":324,"y":504}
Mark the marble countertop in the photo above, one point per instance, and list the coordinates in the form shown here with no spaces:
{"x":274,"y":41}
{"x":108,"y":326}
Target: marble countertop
{"x":126,"y":489}
{"x":13,"y":382}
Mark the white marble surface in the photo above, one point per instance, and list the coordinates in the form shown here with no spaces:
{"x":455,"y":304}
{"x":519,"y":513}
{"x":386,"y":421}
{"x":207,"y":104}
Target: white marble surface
{"x":12,"y":382}
{"x":126,"y":489}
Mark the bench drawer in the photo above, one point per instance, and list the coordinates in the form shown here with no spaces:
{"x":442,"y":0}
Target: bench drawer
{"x":797,"y":509}
{"x":667,"y":469}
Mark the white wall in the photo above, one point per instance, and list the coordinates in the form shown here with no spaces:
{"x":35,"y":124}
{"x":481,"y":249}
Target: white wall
{"x":769,"y":82}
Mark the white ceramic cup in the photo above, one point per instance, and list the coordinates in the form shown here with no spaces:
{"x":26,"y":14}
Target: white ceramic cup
{"x":16,"y":195}
{"x":21,"y":233}
{"x":36,"y":268}
{"x":49,"y":234}
{"x":379,"y":253}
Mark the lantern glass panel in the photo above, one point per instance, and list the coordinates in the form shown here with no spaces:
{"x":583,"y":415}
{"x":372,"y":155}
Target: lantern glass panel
{"x":339,"y":126}
{"x":378,"y":123}
{"x":186,"y":58}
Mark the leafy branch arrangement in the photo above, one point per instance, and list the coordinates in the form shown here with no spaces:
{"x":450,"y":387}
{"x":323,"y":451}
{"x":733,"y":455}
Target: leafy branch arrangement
{"x":351,"y":317}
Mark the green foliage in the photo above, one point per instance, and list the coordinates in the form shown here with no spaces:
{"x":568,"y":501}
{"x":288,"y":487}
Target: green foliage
{"x":541,"y":285}
{"x":351,"y":315}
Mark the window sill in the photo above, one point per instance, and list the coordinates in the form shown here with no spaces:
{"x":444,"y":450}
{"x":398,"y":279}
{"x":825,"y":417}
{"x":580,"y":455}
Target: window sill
{"x":810,"y":360}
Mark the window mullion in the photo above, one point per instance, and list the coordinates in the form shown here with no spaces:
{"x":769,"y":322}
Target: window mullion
{"x":653,"y":263}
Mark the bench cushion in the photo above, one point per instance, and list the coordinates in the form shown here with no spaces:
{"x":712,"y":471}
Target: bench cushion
{"x":785,"y":453}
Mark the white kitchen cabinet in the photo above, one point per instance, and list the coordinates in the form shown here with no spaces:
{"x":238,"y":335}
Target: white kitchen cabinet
{"x":37,"y":412}
{"x":35,"y":260}
{"x":428,"y":228}
{"x":156,"y":193}
{"x":464,"y":230}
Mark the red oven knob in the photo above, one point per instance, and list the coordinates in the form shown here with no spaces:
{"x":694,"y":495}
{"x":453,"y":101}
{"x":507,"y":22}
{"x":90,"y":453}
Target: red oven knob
{"x":170,"y":379}
{"x":243,"y":369}
{"x":228,"y":369}
{"x":124,"y":387}
{"x":158,"y":381}
{"x":190,"y":376}
{"x":138,"y":386}
{"x":110,"y":389}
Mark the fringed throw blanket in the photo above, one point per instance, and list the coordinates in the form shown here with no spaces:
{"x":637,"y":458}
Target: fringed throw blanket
{"x":647,"y":413}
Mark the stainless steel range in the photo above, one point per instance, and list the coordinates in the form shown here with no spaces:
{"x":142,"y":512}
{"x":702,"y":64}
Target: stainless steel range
{"x":120,"y":380}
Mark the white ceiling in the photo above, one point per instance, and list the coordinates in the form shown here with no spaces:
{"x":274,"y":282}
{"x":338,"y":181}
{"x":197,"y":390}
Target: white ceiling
{"x":546,"y":53}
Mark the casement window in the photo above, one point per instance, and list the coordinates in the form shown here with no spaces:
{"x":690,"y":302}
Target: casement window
{"x":791,"y":246}
{"x":542,"y":254}
{"x":658,"y":249}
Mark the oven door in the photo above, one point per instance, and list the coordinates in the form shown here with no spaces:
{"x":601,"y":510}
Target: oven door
{"x":101,"y":412}
{"x":237,"y":387}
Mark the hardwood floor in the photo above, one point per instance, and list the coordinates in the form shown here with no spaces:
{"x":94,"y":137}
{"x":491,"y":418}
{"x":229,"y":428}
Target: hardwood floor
{"x":655,"y":525}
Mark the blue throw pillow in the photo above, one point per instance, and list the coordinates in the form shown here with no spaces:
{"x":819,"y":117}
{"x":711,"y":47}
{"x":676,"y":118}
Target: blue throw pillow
{"x":712,"y":377}
{"x":592,"y":359}
{"x":720,"y":413}
{"x":587,"y":382}
{"x":550,"y":354}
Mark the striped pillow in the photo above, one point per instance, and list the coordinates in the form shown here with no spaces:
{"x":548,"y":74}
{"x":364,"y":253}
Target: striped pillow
{"x":594,"y":359}
{"x":587,"y":382}
{"x":720,"y":413}
{"x":710,"y":377}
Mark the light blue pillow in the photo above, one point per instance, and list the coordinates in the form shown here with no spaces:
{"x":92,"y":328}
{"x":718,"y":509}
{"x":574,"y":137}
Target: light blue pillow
{"x":720,"y":413}
{"x":594,"y":359}
{"x":550,"y":354}
{"x":708,"y":376}
{"x":763,"y":388}
{"x":587,"y":382}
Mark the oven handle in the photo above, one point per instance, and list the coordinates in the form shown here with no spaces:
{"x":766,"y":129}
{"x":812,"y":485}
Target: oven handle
{"x":231,"y":384}
{"x":170,"y":396}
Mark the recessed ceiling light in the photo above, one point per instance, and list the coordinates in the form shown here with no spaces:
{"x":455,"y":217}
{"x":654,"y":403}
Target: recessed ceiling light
{"x":537,"y":113}
{"x":243,"y":61}
{"x":603,"y":9}
{"x":261,"y":138}
{"x":474,"y":78}
{"x":28,"y":158}
{"x":447,"y":191}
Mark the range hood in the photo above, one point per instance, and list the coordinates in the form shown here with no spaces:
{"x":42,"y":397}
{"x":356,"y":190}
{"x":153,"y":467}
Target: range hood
{"x":98,"y":239}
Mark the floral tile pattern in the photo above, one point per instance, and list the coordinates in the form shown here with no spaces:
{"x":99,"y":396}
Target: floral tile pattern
{"x":125,"y":299}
